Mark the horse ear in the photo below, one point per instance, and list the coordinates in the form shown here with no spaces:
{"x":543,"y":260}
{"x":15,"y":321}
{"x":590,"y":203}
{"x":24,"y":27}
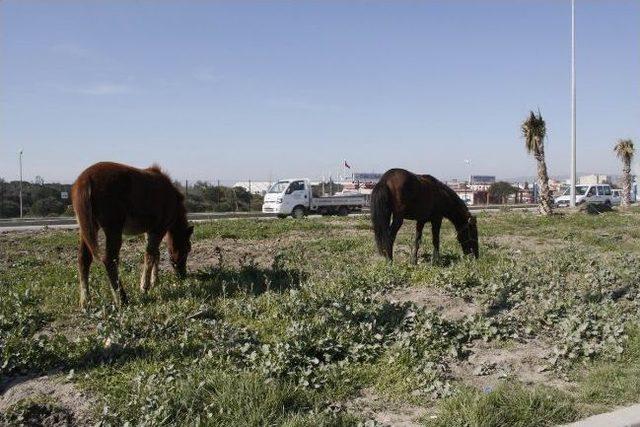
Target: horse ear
{"x":190,"y":230}
{"x":472,"y":220}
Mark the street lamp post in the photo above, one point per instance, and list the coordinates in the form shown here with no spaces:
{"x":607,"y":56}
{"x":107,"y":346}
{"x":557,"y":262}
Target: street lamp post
{"x":20,"y":162}
{"x":573,"y":105}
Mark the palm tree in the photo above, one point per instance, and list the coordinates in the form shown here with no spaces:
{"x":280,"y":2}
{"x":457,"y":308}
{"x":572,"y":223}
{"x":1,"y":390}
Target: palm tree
{"x":625,"y":151}
{"x":534,"y":129}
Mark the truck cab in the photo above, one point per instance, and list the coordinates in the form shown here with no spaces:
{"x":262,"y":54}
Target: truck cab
{"x":288,"y":197}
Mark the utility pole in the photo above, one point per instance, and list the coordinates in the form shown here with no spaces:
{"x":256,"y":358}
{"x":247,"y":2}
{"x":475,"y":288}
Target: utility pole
{"x":186,"y":189}
{"x":573,"y":104}
{"x":20,"y":161}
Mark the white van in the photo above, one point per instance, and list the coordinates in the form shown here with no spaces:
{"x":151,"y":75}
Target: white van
{"x":596,"y":193}
{"x":616,"y":197}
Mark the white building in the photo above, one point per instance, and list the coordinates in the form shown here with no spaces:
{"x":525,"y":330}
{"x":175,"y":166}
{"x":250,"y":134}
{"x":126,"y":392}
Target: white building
{"x":594,"y":179}
{"x":481,"y":182}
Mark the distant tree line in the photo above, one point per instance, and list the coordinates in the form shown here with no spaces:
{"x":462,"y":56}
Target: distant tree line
{"x":45,"y":199}
{"x":203,"y":196}
{"x":38,"y":199}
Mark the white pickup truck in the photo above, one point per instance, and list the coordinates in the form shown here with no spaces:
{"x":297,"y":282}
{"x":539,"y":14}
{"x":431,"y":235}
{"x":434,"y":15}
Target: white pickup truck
{"x":295,"y":197}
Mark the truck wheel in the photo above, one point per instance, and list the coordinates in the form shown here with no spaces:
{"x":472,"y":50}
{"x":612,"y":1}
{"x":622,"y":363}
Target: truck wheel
{"x":607,"y":203}
{"x":343,"y":211}
{"x":298,"y":212}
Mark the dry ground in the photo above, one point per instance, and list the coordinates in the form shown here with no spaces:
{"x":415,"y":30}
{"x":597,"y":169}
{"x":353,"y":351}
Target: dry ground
{"x":507,"y":315}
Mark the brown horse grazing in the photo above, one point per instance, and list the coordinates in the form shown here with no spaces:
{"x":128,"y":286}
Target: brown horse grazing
{"x":422,"y":198}
{"x":122,"y":199}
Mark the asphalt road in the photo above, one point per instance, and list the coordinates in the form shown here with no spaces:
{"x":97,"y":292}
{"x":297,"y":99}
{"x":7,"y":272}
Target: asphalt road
{"x":30,"y":224}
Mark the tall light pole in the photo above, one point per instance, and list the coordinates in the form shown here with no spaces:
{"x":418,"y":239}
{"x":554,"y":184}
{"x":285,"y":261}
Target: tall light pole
{"x":573,"y":104}
{"x":20,"y":162}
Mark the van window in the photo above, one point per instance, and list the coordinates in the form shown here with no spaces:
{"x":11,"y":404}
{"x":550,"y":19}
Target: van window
{"x":600,"y":190}
{"x":607,"y":190}
{"x":592,"y":191}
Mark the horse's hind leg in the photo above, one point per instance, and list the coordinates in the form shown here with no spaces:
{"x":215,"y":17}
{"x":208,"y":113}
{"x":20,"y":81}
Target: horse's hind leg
{"x":85,"y":257}
{"x":435,"y":236}
{"x":151,"y":259}
{"x":416,"y":243}
{"x":111,"y":260}
{"x":393,"y":232}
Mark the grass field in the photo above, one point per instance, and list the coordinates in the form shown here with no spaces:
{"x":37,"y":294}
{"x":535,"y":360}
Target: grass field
{"x":300,"y":322}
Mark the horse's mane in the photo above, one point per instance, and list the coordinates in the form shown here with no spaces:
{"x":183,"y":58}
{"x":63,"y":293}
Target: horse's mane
{"x":156,"y":169}
{"x":452,"y":196}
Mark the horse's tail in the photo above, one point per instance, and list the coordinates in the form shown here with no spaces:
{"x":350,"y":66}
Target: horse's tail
{"x":81,"y":199}
{"x":381,"y":216}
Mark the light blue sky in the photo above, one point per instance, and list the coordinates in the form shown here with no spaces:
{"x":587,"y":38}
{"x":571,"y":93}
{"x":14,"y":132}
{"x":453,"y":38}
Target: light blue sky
{"x":237,"y":90}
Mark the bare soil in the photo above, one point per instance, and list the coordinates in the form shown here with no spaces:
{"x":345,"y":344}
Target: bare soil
{"x":386,"y":413}
{"x":490,"y":363}
{"x":73,"y":407}
{"x":450,"y":307}
{"x":525,"y":243}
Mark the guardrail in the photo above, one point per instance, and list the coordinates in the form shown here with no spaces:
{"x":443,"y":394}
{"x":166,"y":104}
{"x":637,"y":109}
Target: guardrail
{"x":204,"y":216}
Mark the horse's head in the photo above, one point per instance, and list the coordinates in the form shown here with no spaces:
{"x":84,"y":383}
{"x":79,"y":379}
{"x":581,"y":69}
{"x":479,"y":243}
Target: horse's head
{"x":468,"y":237}
{"x":179,"y":245}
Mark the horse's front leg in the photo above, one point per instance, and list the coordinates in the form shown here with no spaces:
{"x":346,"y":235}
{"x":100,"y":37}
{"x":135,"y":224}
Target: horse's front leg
{"x":151,"y":258}
{"x":435,"y":237}
{"x":111,"y":260}
{"x":416,"y":243}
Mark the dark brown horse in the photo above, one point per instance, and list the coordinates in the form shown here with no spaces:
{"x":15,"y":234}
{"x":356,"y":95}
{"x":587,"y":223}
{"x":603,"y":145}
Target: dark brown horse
{"x":424,"y":199}
{"x":121,"y":199}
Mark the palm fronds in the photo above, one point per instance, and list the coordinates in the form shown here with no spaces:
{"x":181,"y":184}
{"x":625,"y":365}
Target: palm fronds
{"x":534,"y":129}
{"x":624,"y":149}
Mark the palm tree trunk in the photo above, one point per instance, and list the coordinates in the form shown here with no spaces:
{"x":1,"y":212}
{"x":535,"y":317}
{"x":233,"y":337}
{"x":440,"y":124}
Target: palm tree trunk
{"x":546,"y":204}
{"x":626,"y":183}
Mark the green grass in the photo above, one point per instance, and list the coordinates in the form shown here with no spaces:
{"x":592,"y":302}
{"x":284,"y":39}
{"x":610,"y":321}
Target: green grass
{"x":508,"y":405}
{"x":289,"y":320}
{"x":614,"y":383}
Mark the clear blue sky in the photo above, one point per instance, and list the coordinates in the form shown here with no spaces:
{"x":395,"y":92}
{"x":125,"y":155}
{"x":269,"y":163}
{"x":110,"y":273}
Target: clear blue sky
{"x":237,"y":90}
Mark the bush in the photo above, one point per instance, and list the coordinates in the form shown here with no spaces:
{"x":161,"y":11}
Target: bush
{"x":47,"y":206}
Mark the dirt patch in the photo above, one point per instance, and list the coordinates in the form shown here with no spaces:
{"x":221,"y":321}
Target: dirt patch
{"x":232,"y":252}
{"x":72,"y":406}
{"x":435,"y":299}
{"x":373,"y":407}
{"x":73,"y":328}
{"x":525,"y":243}
{"x":489,"y":363}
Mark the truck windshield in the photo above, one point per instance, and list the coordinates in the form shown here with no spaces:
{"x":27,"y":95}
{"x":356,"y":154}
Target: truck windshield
{"x":580,"y":190}
{"x":279,"y":187}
